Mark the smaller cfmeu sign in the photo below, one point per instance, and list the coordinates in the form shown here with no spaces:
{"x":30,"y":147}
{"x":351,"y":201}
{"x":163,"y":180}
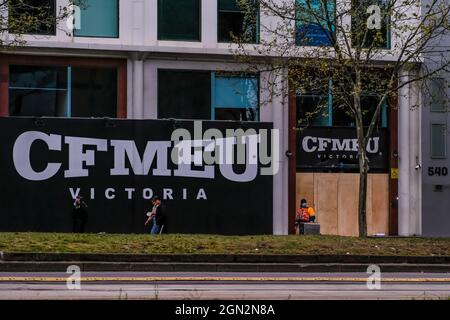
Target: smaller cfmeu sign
{"x":320,"y":144}
{"x":337,"y":148}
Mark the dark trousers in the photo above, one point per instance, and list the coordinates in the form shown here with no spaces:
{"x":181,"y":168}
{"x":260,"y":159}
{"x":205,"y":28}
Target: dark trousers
{"x":79,"y":226}
{"x":79,"y":221}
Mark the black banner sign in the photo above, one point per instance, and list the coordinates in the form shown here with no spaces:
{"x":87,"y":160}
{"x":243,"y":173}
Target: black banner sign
{"x":117,"y":166}
{"x":336,"y":149}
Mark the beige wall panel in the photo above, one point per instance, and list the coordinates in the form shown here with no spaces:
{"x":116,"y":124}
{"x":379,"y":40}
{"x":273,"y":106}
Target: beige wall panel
{"x":348,"y":204}
{"x":378,"y":217}
{"x":305,"y":188}
{"x":325,"y":191}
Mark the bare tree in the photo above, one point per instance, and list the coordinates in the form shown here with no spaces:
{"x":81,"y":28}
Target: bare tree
{"x":351,"y":49}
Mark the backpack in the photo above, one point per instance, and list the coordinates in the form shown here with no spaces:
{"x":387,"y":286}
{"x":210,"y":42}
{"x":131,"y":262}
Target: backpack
{"x":302,"y":215}
{"x":305,"y":215}
{"x":160,"y":217}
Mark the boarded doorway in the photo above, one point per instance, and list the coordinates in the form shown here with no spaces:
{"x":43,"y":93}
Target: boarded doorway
{"x":335,"y":199}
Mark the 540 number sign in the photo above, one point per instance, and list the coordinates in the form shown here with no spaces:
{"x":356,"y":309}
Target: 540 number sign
{"x":438,"y":171}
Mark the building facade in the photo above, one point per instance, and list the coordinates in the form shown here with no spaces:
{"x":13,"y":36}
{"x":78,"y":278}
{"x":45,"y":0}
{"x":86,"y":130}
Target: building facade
{"x":163,"y":59}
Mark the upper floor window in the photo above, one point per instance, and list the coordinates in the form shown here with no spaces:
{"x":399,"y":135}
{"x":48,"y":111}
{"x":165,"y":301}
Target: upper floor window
{"x":62,"y":91}
{"x":314,"y":22}
{"x":206,"y":95}
{"x":370,"y":24}
{"x":179,"y":20}
{"x":38,"y":91}
{"x":32,"y":17}
{"x":235,"y":97}
{"x":438,"y":141}
{"x":184,"y":94}
{"x":98,"y":18}
{"x":322,"y":109}
{"x":314,"y":110}
{"x":437,"y":95}
{"x":343,"y":117}
{"x":238,"y":20}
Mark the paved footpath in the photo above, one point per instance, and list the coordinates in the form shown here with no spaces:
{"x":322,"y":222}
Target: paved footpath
{"x":197,"y":286}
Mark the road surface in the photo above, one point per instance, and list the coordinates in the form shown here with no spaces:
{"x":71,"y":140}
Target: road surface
{"x":198,"y":286}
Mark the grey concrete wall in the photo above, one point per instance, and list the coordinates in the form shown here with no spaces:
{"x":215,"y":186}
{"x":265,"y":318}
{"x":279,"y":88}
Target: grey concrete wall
{"x":435,"y":204}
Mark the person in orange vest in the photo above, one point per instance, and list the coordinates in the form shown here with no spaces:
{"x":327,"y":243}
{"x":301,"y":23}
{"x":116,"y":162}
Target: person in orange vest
{"x":305,"y":213}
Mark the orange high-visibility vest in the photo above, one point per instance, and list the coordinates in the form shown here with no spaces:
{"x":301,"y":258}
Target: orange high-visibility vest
{"x":302,"y":214}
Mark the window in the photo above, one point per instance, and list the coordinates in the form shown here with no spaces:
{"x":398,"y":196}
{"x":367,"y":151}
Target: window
{"x":438,"y":141}
{"x":38,"y":91}
{"x":314,"y":110}
{"x":437,"y":95}
{"x":234,"y":21}
{"x":179,"y":20}
{"x":206,"y":95}
{"x":184,"y":94}
{"x":343,"y":118}
{"x":314,"y":23}
{"x":362,"y":31}
{"x":98,"y":18}
{"x":94,"y":92}
{"x":318,"y":109}
{"x":235,"y":97}
{"x":32,"y":17}
{"x":62,"y":91}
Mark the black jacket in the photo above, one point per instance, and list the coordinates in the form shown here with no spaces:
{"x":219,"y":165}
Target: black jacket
{"x":160,"y":216}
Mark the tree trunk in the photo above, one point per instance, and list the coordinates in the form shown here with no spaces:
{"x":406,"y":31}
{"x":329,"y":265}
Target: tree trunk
{"x":362,"y":204}
{"x":362,"y":154}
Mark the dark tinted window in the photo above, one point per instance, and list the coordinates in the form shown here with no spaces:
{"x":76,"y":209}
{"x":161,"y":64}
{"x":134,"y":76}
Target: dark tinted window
{"x":438,"y":141}
{"x":38,"y":91}
{"x":62,"y":91}
{"x":94,"y":92}
{"x":234,"y":21}
{"x":437,"y":98}
{"x":184,"y":94}
{"x":321,"y":110}
{"x":313,"y":110}
{"x":32,"y":17}
{"x":342,"y":116}
{"x":179,"y":20}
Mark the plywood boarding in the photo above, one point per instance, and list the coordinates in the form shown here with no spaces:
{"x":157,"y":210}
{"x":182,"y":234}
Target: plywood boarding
{"x":325,"y":195}
{"x":378,"y":216}
{"x":348,"y":204}
{"x":336,"y":201}
{"x":305,"y":188}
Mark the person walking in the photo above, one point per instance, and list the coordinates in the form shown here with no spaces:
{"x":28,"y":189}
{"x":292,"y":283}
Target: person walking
{"x":79,"y":215}
{"x":156,"y":216}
